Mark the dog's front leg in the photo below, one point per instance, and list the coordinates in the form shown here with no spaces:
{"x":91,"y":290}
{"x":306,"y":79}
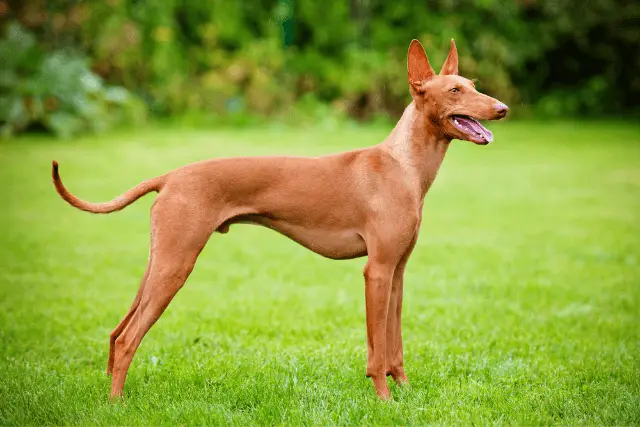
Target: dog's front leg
{"x":394,"y":358}
{"x":378,"y":277}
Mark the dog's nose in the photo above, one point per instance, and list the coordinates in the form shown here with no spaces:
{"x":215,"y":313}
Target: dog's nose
{"x":501,"y":109}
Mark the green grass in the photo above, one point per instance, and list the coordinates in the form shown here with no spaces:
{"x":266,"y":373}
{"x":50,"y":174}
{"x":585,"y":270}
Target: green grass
{"x":522,"y":298}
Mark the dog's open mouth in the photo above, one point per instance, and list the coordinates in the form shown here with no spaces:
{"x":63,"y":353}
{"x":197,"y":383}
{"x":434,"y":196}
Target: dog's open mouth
{"x":472,"y":128}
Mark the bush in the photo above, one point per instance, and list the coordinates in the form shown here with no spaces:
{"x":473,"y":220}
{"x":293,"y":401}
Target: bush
{"x":56,"y":90}
{"x":227,"y":58}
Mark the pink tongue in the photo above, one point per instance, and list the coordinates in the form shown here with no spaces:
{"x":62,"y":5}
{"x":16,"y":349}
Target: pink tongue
{"x":476,"y":126}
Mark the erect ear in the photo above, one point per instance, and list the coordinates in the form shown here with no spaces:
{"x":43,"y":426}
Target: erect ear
{"x":451,"y":64}
{"x":418,"y":66}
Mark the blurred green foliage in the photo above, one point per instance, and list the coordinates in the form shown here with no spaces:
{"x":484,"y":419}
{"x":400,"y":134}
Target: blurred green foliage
{"x":262,"y":57}
{"x":56,"y":90}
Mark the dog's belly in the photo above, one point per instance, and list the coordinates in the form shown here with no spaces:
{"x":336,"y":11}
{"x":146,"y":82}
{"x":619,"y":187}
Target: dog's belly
{"x":330,"y":243}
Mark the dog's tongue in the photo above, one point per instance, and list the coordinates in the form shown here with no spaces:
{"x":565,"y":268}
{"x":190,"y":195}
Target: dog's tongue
{"x":477,"y":127}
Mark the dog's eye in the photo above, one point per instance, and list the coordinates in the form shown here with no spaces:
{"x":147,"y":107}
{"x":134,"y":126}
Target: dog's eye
{"x":454,"y":90}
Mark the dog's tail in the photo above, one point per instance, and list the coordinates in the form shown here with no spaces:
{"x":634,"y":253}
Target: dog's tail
{"x":153,"y":184}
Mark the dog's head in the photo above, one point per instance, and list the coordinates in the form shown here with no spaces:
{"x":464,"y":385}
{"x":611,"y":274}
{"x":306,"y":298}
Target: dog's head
{"x":450,"y":102}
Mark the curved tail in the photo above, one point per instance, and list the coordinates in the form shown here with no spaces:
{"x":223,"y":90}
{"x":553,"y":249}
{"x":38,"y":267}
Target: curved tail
{"x":153,"y":184}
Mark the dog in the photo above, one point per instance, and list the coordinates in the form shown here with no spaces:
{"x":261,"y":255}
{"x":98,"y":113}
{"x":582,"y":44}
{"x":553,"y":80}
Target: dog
{"x":366,"y":202}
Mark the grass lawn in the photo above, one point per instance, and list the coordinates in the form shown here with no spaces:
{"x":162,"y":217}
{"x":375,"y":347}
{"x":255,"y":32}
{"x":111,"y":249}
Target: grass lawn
{"x":522,"y":297}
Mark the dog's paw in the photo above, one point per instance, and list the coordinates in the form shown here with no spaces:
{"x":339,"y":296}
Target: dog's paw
{"x":398,"y":375}
{"x":380,"y":384}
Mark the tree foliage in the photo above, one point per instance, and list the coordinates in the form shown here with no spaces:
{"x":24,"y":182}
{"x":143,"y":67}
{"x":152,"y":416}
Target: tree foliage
{"x":263,"y":56}
{"x":56,"y":90}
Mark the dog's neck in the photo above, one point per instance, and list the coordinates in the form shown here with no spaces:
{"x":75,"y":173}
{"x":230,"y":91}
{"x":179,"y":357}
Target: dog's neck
{"x":417,"y":145}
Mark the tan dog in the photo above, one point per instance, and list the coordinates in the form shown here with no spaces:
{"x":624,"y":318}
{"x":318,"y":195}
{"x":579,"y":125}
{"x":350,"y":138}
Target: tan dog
{"x":347,"y":205}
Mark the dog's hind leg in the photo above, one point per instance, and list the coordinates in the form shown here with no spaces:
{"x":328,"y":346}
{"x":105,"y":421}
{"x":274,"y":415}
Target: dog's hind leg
{"x":127,"y":317}
{"x":125,"y":320}
{"x":179,"y":235}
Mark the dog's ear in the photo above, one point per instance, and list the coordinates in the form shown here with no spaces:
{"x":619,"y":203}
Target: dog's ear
{"x":451,"y":64}
{"x":418,"y":66}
